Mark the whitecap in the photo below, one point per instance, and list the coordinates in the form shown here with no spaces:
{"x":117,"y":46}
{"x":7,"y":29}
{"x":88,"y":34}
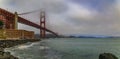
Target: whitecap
{"x":25,"y":46}
{"x":43,"y":47}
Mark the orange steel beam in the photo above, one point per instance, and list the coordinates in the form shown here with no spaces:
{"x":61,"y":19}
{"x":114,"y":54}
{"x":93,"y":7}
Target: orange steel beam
{"x":10,"y":16}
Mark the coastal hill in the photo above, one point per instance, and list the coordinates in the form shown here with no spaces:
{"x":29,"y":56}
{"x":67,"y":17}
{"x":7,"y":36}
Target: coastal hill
{"x":76,"y":36}
{"x":92,"y":36}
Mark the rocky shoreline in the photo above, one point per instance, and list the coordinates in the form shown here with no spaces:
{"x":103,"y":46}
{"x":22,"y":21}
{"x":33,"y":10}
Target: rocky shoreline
{"x":10,"y":43}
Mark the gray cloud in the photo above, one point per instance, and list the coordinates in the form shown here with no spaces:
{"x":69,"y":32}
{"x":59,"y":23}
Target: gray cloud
{"x":103,"y":23}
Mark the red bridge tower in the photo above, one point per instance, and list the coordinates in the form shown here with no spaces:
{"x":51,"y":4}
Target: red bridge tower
{"x":42,"y":24}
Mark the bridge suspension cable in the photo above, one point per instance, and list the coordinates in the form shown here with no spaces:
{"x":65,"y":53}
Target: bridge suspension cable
{"x":29,"y":12}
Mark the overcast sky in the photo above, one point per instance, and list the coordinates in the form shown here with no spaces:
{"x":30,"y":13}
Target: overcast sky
{"x":87,"y":17}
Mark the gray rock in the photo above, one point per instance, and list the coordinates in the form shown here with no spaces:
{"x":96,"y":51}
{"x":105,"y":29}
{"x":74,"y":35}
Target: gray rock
{"x":107,"y":56}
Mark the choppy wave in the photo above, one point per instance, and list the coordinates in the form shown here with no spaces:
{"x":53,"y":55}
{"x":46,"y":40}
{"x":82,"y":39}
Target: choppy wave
{"x":24,"y":46}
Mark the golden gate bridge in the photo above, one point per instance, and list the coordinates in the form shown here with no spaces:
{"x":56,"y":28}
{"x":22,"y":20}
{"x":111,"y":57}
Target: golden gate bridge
{"x":10,"y":24}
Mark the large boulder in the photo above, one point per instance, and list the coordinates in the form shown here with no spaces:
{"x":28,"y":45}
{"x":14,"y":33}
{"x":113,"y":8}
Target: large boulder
{"x":107,"y":56}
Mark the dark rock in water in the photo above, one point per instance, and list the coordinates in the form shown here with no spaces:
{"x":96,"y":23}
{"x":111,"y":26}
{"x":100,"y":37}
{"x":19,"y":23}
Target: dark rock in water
{"x":107,"y":56}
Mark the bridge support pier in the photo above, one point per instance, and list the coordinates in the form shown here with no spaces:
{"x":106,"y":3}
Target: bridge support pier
{"x":42,"y":24}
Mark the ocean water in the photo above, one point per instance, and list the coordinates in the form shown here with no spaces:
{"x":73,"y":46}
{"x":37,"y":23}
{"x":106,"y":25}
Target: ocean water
{"x":67,"y":48}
